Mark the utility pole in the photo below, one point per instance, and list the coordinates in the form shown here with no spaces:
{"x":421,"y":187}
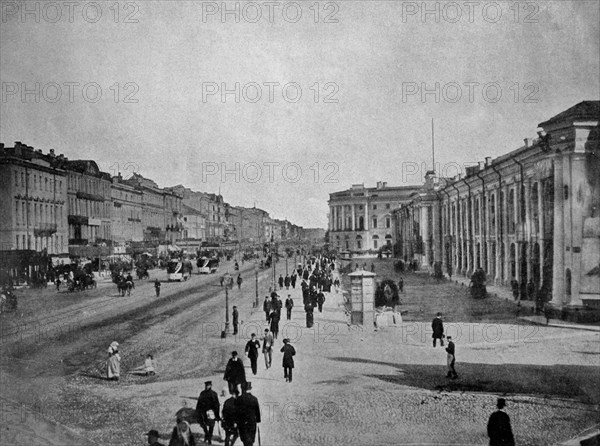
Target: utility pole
{"x":227,"y":277}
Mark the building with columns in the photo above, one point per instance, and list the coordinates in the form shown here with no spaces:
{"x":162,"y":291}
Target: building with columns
{"x":531,"y":215}
{"x":360,"y":218}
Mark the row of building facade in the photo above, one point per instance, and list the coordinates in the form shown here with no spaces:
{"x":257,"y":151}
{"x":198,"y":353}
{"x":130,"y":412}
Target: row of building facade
{"x":58,"y":206}
{"x":531,"y":215}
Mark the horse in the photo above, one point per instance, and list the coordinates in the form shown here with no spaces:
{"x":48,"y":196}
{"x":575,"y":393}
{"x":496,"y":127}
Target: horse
{"x":125,"y":286}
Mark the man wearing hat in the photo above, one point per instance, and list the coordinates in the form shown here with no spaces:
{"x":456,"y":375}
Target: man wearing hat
{"x":252,"y":347}
{"x":267,"y":347}
{"x":248,"y":412}
{"x":498,"y":426}
{"x":229,"y":419}
{"x":153,"y":437}
{"x":207,"y":411}
{"x":288,"y":359}
{"x":234,"y":372}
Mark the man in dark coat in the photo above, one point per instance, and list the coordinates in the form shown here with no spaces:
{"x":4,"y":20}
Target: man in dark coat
{"x":287,"y":282}
{"x":288,"y":359}
{"x":438,"y":329}
{"x":208,"y":410}
{"x":267,"y":307}
{"x":293,"y":280}
{"x":235,"y":319}
{"x":252,"y":347}
{"x":289,"y":304}
{"x":274,"y":320}
{"x":320,"y":301}
{"x":401,"y":285}
{"x":234,"y":372}
{"x":309,"y":309}
{"x":498,"y":426}
{"x":230,"y":417}
{"x":280,"y":281}
{"x":248,"y":415}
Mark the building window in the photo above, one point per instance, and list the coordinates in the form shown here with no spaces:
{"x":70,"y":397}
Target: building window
{"x":388,"y":222}
{"x":387,"y":205}
{"x":374,"y":207}
{"x":22,"y":179}
{"x":16,"y":178}
{"x":17,"y":245}
{"x":17,"y":211}
{"x":374,"y":244}
{"x":360,"y":207}
{"x":374,"y":222}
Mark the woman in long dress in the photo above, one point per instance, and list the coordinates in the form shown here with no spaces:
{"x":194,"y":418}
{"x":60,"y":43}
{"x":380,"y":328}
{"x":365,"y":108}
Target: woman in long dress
{"x":114,"y":362}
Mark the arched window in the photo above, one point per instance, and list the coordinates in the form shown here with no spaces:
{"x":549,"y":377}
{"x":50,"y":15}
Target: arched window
{"x":375,"y":241}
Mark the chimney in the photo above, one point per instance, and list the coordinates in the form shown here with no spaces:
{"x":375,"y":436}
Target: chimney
{"x":481,"y":165}
{"x":488,"y":161}
{"x":384,"y":184}
{"x":51,"y":153}
{"x":528,"y":142}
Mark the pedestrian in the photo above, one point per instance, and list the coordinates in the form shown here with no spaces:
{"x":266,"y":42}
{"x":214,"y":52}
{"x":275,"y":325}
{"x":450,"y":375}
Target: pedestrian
{"x":113,"y":365}
{"x":252,"y":347}
{"x":267,"y":308}
{"x":309,"y":309}
{"x":293,"y":280}
{"x":451,"y":359}
{"x":208,"y":410}
{"x":274,"y":320}
{"x":153,"y":437}
{"x":514,"y":286}
{"x":401,"y":285}
{"x":498,"y":426}
{"x":157,"y":287}
{"x":229,"y":419}
{"x":320,"y":301}
{"x":267,"y":347}
{"x":239,"y":281}
{"x":235,"y":319}
{"x":182,"y":434}
{"x":234,"y":372}
{"x":281,"y":281}
{"x":289,"y":304}
{"x":372,"y":267}
{"x":288,"y":359}
{"x":222,"y":280}
{"x":149,"y":365}
{"x":287,"y":282}
{"x":248,"y":413}
{"x":438,"y":329}
{"x":57,"y":283}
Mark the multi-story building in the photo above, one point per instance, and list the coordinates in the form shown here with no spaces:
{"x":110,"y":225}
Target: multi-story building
{"x":360,"y":218}
{"x":161,"y":210}
{"x":211,"y":206}
{"x":531,"y":215}
{"x":126,"y":218}
{"x":33,"y":200}
{"x":194,"y":224}
{"x":89,"y":207}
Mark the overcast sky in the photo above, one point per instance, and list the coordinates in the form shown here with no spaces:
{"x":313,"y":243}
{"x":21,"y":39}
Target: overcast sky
{"x":154,"y":74}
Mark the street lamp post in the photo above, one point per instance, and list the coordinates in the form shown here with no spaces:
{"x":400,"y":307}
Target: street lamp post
{"x":227,"y":277}
{"x":256,"y":282}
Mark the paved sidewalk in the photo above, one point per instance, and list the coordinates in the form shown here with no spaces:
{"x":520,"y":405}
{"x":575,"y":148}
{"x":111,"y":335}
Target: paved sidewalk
{"x":541,"y":320}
